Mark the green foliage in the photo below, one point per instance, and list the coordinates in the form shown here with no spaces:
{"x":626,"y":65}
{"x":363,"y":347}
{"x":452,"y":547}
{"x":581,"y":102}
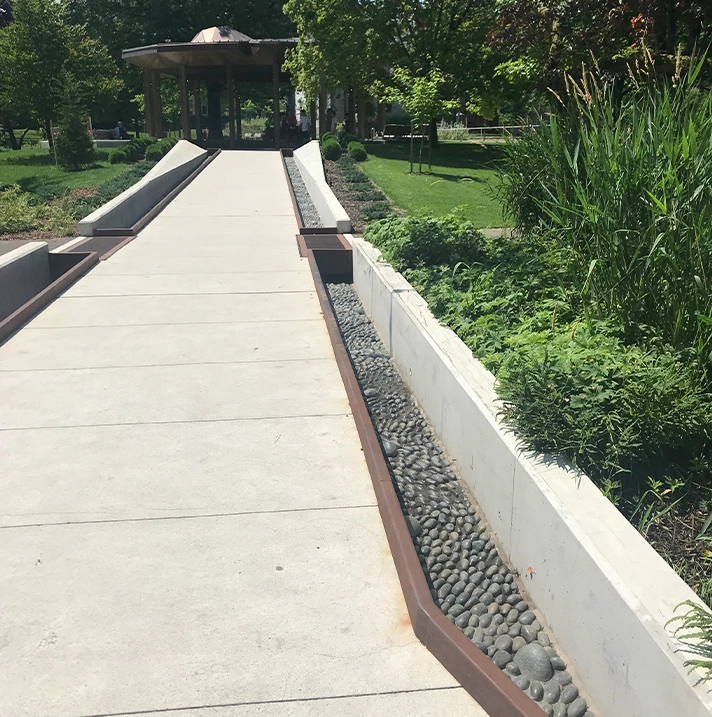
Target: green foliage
{"x":17,"y":214}
{"x":419,"y":95}
{"x":331,"y":149}
{"x":626,"y":188}
{"x":74,"y":146}
{"x":118,"y":156}
{"x":159,"y":149}
{"x":357,"y":151}
{"x":41,"y":54}
{"x":325,"y":136}
{"x":345,"y":139}
{"x":696,"y":625}
{"x":377,"y":210}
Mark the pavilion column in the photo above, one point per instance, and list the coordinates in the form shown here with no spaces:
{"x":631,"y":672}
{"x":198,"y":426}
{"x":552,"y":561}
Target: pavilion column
{"x":184,"y":104}
{"x":312,"y":119}
{"x":157,"y":107}
{"x":322,"y":109}
{"x":231,"y":105}
{"x":238,"y":112}
{"x":148,"y":101}
{"x":361,"y":115}
{"x":275,"y":103}
{"x":198,"y":113}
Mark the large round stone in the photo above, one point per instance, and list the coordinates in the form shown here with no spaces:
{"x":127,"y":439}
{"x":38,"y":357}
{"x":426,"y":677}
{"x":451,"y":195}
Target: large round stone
{"x":534,"y":662}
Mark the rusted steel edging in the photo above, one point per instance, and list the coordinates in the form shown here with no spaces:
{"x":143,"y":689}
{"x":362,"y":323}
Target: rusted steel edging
{"x":477,"y":674}
{"x":31,"y":308}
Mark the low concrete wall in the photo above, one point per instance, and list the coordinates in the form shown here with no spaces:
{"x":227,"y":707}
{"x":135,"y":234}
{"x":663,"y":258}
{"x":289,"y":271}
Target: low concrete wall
{"x":332,"y":214}
{"x":126,"y":209}
{"x":98,"y":143}
{"x":602,"y":589}
{"x":24,"y":272}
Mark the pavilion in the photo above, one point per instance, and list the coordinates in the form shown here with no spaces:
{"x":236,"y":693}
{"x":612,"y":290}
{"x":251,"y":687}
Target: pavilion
{"x":217,"y":57}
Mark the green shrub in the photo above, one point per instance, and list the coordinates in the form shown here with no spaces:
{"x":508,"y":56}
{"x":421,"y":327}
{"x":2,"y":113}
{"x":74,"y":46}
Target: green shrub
{"x":16,"y":212}
{"x":377,"y":210}
{"x":325,"y":136}
{"x":118,"y":156}
{"x":155,"y":152}
{"x":369,"y":194}
{"x":331,"y":149}
{"x":357,"y":151}
{"x":346,"y":138}
{"x":73,"y":145}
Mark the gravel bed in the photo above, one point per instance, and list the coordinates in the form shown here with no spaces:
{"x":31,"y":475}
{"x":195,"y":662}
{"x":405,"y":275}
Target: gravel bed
{"x":310,"y":216}
{"x":468,"y":579}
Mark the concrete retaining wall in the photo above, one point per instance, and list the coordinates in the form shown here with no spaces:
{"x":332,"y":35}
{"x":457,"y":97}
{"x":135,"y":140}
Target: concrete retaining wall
{"x":126,"y":209}
{"x":24,"y":272}
{"x":332,"y":214}
{"x":604,"y":592}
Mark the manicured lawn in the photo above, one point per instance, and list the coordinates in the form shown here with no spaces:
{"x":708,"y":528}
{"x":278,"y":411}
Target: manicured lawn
{"x":463,"y":177}
{"x":34,"y":170}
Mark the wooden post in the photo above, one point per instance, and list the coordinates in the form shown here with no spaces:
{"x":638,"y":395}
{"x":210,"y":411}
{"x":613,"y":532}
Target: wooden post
{"x":184,"y":105}
{"x":275,"y":103}
{"x":148,"y":101}
{"x":238,"y":112}
{"x":312,"y":119}
{"x":198,"y":105}
{"x":322,"y":109}
{"x":157,"y":107}
{"x":230,"y":106}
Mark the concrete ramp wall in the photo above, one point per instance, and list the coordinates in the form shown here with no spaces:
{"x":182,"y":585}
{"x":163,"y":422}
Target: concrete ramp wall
{"x":126,"y":209}
{"x":332,"y":214}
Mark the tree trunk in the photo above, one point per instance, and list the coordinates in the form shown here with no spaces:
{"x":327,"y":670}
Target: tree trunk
{"x":48,"y":132}
{"x":10,"y":131}
{"x":411,"y":147}
{"x":434,"y":132}
{"x":430,"y":156}
{"x":420,"y":156}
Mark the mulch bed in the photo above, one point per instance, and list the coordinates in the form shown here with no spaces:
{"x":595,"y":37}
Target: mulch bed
{"x":353,"y":207}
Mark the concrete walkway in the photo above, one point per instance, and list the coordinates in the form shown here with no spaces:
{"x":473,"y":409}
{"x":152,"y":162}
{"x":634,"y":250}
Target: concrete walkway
{"x":188,"y":525}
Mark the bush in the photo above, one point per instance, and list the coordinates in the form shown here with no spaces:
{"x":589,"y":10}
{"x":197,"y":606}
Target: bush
{"x":159,"y":149}
{"x":325,"y":136}
{"x":118,"y":156}
{"x":74,"y":146}
{"x":346,"y":138}
{"x":357,"y":151}
{"x":16,"y":212}
{"x":331,"y":149}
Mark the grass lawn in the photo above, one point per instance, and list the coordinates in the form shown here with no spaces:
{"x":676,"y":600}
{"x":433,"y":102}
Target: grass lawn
{"x":34,"y":170}
{"x":463,"y":175}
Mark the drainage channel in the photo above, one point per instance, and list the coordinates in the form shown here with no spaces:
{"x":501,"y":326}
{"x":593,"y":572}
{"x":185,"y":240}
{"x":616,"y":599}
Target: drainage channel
{"x":468,"y":578}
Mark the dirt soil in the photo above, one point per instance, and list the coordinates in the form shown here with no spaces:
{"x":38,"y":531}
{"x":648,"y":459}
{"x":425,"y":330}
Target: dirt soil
{"x":353,"y":207}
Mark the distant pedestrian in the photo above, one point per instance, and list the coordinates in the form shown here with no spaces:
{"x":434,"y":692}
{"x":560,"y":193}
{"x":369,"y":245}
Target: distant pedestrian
{"x":120,"y":131}
{"x":331,"y":121}
{"x":304,"y":126}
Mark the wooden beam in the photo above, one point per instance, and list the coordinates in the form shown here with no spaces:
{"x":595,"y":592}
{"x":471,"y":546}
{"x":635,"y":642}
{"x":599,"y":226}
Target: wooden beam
{"x":275,"y":102}
{"x":231,"y":105}
{"x":238,"y":112}
{"x":198,"y":105}
{"x":148,"y":101}
{"x":184,"y":104}
{"x":157,"y":106}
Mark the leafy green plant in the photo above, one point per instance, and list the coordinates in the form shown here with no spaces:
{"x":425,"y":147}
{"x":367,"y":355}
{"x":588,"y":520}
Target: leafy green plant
{"x":331,"y":149}
{"x":118,"y":156}
{"x":357,"y":151}
{"x":17,"y":214}
{"x":325,"y":136}
{"x":73,"y":146}
{"x":696,"y":625}
{"x":346,"y":138}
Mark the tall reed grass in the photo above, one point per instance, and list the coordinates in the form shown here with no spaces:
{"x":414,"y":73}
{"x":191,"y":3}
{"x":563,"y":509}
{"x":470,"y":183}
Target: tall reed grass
{"x":626,"y":187}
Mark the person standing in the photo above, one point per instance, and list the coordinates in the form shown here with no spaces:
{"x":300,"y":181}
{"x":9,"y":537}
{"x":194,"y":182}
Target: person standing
{"x":304,"y":126}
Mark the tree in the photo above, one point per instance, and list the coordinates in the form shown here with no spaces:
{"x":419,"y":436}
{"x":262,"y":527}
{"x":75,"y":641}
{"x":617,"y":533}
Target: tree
{"x":420,"y":98}
{"x":38,"y":50}
{"x":74,"y":146}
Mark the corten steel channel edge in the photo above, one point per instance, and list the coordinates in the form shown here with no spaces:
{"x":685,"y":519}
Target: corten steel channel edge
{"x":68,"y":267}
{"x":477,"y":674}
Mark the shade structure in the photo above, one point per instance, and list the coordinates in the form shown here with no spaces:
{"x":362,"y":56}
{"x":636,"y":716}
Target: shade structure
{"x":217,"y":56}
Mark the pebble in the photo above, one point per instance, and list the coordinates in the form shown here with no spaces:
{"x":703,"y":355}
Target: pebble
{"x":512,"y":669}
{"x":552,"y":690}
{"x":501,"y":658}
{"x":536,"y":691}
{"x":528,"y":634}
{"x":527,"y":617}
{"x":521,"y":681}
{"x":390,"y":448}
{"x":569,"y":693}
{"x":518,"y":643}
{"x":533,"y":661}
{"x":557,"y":663}
{"x":503,"y":642}
{"x":547,"y":709}
{"x":577,"y":708}
{"x":414,"y":527}
{"x":559,"y":710}
{"x":564,"y":678}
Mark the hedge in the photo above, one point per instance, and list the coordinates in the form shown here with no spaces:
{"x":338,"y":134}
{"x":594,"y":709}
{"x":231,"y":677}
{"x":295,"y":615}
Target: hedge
{"x":357,"y":151}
